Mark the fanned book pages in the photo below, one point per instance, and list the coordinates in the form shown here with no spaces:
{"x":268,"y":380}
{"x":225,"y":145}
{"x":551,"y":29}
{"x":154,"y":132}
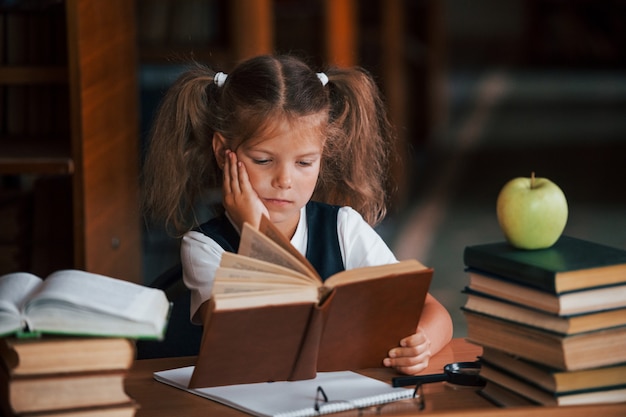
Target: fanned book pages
{"x":344,"y":390}
{"x":271,"y":318}
{"x":74,"y":302}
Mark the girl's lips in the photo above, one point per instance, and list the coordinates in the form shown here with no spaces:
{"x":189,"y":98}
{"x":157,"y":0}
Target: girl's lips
{"x":278,"y":202}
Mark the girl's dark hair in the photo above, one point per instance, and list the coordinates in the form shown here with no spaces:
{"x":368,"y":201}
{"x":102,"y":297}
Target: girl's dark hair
{"x":180,"y":166}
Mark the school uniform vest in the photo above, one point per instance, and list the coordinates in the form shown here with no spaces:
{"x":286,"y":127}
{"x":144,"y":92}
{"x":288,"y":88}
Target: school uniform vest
{"x":322,"y":244}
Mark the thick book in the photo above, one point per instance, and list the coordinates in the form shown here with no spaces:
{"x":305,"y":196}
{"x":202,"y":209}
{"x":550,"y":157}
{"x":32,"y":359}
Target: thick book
{"x":328,"y":392}
{"x":266,"y":325}
{"x":74,"y":302}
{"x":570,"y":264}
{"x":504,"y":397}
{"x":576,"y":352}
{"x":566,"y":304}
{"x":54,"y":355}
{"x":561,"y":324}
{"x":610,"y":394}
{"x":118,"y":410}
{"x":555,"y":380}
{"x":46,"y":393}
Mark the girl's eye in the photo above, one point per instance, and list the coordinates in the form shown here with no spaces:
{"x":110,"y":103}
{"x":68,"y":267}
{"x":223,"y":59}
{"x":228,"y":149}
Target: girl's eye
{"x":261,"y":161}
{"x":305,"y":163}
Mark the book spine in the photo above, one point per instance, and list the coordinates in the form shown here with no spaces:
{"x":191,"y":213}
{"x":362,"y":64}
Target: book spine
{"x":510,"y":269}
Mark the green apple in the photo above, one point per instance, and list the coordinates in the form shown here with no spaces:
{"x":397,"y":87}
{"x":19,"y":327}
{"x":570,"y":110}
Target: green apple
{"x":532,"y":212}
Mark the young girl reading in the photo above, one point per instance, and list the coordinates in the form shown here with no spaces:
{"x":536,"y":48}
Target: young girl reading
{"x":311,"y":151}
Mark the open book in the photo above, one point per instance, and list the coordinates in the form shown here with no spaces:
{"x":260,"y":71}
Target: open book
{"x":271,"y":318}
{"x":75,"y":302}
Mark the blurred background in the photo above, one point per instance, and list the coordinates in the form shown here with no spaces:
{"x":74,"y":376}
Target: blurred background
{"x":481,"y":91}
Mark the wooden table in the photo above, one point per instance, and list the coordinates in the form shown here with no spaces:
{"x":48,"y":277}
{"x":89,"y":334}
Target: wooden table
{"x":441,"y":399}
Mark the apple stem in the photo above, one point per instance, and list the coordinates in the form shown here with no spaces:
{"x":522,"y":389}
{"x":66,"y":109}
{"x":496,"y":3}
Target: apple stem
{"x":532,"y":180}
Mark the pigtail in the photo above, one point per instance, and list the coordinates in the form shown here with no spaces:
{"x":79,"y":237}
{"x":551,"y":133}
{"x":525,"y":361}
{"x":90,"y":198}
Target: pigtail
{"x":180,"y":165}
{"x":359,"y":147}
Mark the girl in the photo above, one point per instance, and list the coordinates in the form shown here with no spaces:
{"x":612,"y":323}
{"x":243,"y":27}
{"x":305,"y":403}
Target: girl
{"x":311,"y":151}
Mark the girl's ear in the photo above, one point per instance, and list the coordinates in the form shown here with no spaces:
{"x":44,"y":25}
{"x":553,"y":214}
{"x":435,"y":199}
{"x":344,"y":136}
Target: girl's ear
{"x":219,"y":149}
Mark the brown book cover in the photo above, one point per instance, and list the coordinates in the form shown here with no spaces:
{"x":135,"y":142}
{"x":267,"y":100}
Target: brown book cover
{"x":366,"y":319}
{"x":256,"y":345}
{"x":353,"y":328}
{"x":57,"y":355}
{"x":46,"y":393}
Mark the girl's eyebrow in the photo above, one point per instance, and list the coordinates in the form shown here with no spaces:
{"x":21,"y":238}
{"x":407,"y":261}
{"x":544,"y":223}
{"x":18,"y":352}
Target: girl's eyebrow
{"x":302,"y":155}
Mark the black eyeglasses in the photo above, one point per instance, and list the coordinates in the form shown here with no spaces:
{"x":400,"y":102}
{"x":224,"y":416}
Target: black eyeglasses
{"x":322,"y":404}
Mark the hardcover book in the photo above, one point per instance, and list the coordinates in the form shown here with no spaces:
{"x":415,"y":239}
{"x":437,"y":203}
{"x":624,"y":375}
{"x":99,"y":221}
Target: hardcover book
{"x":575,"y":352}
{"x":570,"y":264}
{"x":564,"y":304}
{"x":555,"y":380}
{"x":610,"y":394}
{"x":562,"y":324}
{"x":56,"y":355}
{"x":46,"y":393}
{"x":269,"y":323}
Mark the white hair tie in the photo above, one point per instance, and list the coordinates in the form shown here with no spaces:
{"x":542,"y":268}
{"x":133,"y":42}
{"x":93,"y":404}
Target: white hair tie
{"x":323,"y":78}
{"x":220,"y":78}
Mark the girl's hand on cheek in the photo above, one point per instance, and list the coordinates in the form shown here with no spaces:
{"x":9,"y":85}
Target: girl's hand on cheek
{"x":240,"y":200}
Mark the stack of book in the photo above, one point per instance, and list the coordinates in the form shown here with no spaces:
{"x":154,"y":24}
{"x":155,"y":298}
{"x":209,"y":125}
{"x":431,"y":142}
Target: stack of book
{"x":67,"y":342}
{"x":66,"y":376}
{"x":552,"y":322}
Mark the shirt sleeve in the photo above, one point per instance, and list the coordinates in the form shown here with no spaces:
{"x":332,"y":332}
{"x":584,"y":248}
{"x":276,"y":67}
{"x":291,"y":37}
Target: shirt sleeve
{"x":359,"y":243}
{"x":200,"y":256}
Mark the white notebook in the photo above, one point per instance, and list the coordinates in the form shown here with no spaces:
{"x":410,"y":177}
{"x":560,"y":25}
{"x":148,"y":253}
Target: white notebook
{"x":344,"y":390}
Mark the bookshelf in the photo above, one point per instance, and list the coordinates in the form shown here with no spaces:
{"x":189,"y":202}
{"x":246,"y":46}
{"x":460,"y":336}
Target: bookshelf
{"x":69,"y":137}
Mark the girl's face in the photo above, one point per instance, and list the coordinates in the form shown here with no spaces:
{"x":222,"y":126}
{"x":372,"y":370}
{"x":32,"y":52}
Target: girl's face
{"x":283,"y":165}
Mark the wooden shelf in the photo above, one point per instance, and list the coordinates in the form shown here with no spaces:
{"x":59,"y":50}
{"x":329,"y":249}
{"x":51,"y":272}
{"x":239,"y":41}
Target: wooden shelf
{"x":69,"y":126}
{"x":33,"y":75}
{"x":34,"y":157}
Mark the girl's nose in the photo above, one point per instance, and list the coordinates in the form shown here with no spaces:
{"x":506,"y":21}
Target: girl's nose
{"x":282,"y":178}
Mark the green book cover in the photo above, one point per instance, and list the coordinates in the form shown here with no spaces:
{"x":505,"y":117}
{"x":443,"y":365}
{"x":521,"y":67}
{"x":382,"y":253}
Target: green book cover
{"x":571,"y":264}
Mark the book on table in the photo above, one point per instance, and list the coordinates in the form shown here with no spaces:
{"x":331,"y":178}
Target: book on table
{"x":504,"y":397}
{"x":570,"y":264}
{"x":572,"y":352}
{"x":529,"y":390}
{"x":562,"y":324}
{"x":75,"y":302}
{"x":62,"y":392}
{"x":271,"y":318}
{"x":55,"y":355}
{"x":555,"y":380}
{"x":564,"y":304}
{"x":118,"y":410}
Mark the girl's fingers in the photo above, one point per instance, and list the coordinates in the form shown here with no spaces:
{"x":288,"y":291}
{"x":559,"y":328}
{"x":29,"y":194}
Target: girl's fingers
{"x":244,"y":180}
{"x":233,"y":172}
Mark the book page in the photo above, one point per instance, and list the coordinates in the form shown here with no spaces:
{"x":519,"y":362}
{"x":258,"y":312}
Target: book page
{"x":373,"y":272}
{"x":234,"y":297}
{"x":267,"y":228}
{"x":15,"y":289}
{"x":245,"y":263}
{"x":225,"y":275}
{"x":257,"y":245}
{"x":73,"y":297}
